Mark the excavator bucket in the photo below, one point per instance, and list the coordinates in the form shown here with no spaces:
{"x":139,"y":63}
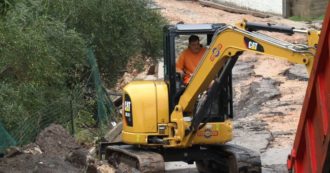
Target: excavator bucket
{"x":311,"y":149}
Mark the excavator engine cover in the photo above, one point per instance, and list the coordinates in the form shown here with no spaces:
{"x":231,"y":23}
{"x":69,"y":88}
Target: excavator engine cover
{"x":145,"y":110}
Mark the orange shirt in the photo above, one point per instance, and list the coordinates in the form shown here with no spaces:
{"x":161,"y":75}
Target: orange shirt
{"x":187,"y":63}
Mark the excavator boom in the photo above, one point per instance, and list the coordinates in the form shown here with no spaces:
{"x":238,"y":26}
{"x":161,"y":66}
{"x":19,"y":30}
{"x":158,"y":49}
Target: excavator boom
{"x":231,"y":40}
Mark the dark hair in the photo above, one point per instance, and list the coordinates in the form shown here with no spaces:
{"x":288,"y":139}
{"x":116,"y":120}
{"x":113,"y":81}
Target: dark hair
{"x":193,"y":38}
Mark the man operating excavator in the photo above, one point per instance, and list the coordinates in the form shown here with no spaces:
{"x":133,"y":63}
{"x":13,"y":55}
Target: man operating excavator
{"x":190,"y":58}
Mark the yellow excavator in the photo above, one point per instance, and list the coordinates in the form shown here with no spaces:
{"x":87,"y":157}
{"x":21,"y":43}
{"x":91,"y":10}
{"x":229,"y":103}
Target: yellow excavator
{"x":166,"y":121}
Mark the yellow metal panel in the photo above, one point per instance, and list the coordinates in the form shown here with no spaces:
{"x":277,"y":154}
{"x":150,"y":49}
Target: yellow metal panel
{"x":140,"y":138}
{"x":162,"y":102}
{"x":214,"y":133}
{"x":150,"y":106}
{"x":313,"y":38}
{"x":134,"y":138}
{"x":144,"y":107}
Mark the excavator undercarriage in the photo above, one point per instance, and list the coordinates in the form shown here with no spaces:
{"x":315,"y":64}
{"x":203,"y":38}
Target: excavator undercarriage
{"x":210,"y":158}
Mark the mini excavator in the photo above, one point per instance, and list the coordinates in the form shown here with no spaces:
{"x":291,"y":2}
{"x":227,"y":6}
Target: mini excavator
{"x":166,"y":121}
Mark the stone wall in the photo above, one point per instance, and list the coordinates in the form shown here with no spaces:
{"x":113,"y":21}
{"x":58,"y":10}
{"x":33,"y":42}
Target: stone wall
{"x":309,"y":8}
{"x":267,"y":6}
{"x":285,"y":8}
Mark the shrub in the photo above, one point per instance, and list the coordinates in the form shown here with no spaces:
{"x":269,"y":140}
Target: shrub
{"x":43,"y":46}
{"x":117,"y":29}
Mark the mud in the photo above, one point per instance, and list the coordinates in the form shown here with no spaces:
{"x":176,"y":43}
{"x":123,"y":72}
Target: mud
{"x":56,"y":141}
{"x":55,"y":151}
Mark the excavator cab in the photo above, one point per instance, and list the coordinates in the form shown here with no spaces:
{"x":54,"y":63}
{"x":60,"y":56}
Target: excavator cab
{"x":172,"y":33}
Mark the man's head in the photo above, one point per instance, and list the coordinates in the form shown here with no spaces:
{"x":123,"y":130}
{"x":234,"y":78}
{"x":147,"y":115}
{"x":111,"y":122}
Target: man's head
{"x":194,"y":44}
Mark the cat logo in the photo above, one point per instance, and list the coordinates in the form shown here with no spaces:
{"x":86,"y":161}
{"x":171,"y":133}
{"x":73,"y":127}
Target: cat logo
{"x":127,"y":106}
{"x":127,"y":110}
{"x":252,"y":45}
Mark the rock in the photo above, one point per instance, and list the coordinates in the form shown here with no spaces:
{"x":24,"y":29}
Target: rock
{"x":275,"y":156}
{"x":257,"y":141}
{"x":12,"y":152}
{"x":180,"y":167}
{"x":34,"y":150}
{"x":253,"y":96}
{"x":114,"y":135}
{"x":275,"y":169}
{"x":78,"y":158}
{"x":243,"y":69}
{"x":105,"y":169}
{"x":296,"y":72}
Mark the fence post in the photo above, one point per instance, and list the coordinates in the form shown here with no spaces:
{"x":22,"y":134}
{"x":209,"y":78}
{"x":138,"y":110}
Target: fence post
{"x":72,"y":115}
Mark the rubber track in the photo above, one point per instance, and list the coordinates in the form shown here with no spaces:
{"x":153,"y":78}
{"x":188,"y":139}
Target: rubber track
{"x":239,"y":159}
{"x":142,"y":160}
{"x":248,"y":161}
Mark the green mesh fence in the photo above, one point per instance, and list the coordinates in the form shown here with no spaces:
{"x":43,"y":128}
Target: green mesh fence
{"x":6,"y":139}
{"x":105,"y":108}
{"x":62,"y":112}
{"x":28,"y":128}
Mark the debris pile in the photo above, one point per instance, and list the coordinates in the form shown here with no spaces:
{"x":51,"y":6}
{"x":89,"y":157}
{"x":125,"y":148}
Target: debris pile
{"x":55,"y":150}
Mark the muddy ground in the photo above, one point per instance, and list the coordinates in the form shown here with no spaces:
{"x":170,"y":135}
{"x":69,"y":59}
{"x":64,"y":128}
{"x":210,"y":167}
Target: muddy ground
{"x":55,"y":151}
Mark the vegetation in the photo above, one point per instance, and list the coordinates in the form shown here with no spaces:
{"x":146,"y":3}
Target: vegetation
{"x":43,"y":49}
{"x":299,"y":18}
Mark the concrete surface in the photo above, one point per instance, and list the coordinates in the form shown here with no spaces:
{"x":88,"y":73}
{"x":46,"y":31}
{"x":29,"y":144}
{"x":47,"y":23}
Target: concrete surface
{"x":268,"y":6}
{"x":180,"y":167}
{"x":275,"y":156}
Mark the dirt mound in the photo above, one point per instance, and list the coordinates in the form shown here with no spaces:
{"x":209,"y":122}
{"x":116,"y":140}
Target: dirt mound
{"x":37,"y":164}
{"x":56,"y":141}
{"x":55,"y":151}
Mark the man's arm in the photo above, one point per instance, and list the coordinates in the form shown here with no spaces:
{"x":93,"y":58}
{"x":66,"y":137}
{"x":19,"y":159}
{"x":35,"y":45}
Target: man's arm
{"x":180,"y":64}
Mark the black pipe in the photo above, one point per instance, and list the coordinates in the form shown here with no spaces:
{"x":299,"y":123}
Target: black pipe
{"x":250,"y":26}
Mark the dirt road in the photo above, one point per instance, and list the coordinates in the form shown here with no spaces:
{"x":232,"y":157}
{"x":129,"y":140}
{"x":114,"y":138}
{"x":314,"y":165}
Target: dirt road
{"x":269,"y":92}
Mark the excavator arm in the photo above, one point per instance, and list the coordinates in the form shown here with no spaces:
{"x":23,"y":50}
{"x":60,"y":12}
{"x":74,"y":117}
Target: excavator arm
{"x":228,"y":43}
